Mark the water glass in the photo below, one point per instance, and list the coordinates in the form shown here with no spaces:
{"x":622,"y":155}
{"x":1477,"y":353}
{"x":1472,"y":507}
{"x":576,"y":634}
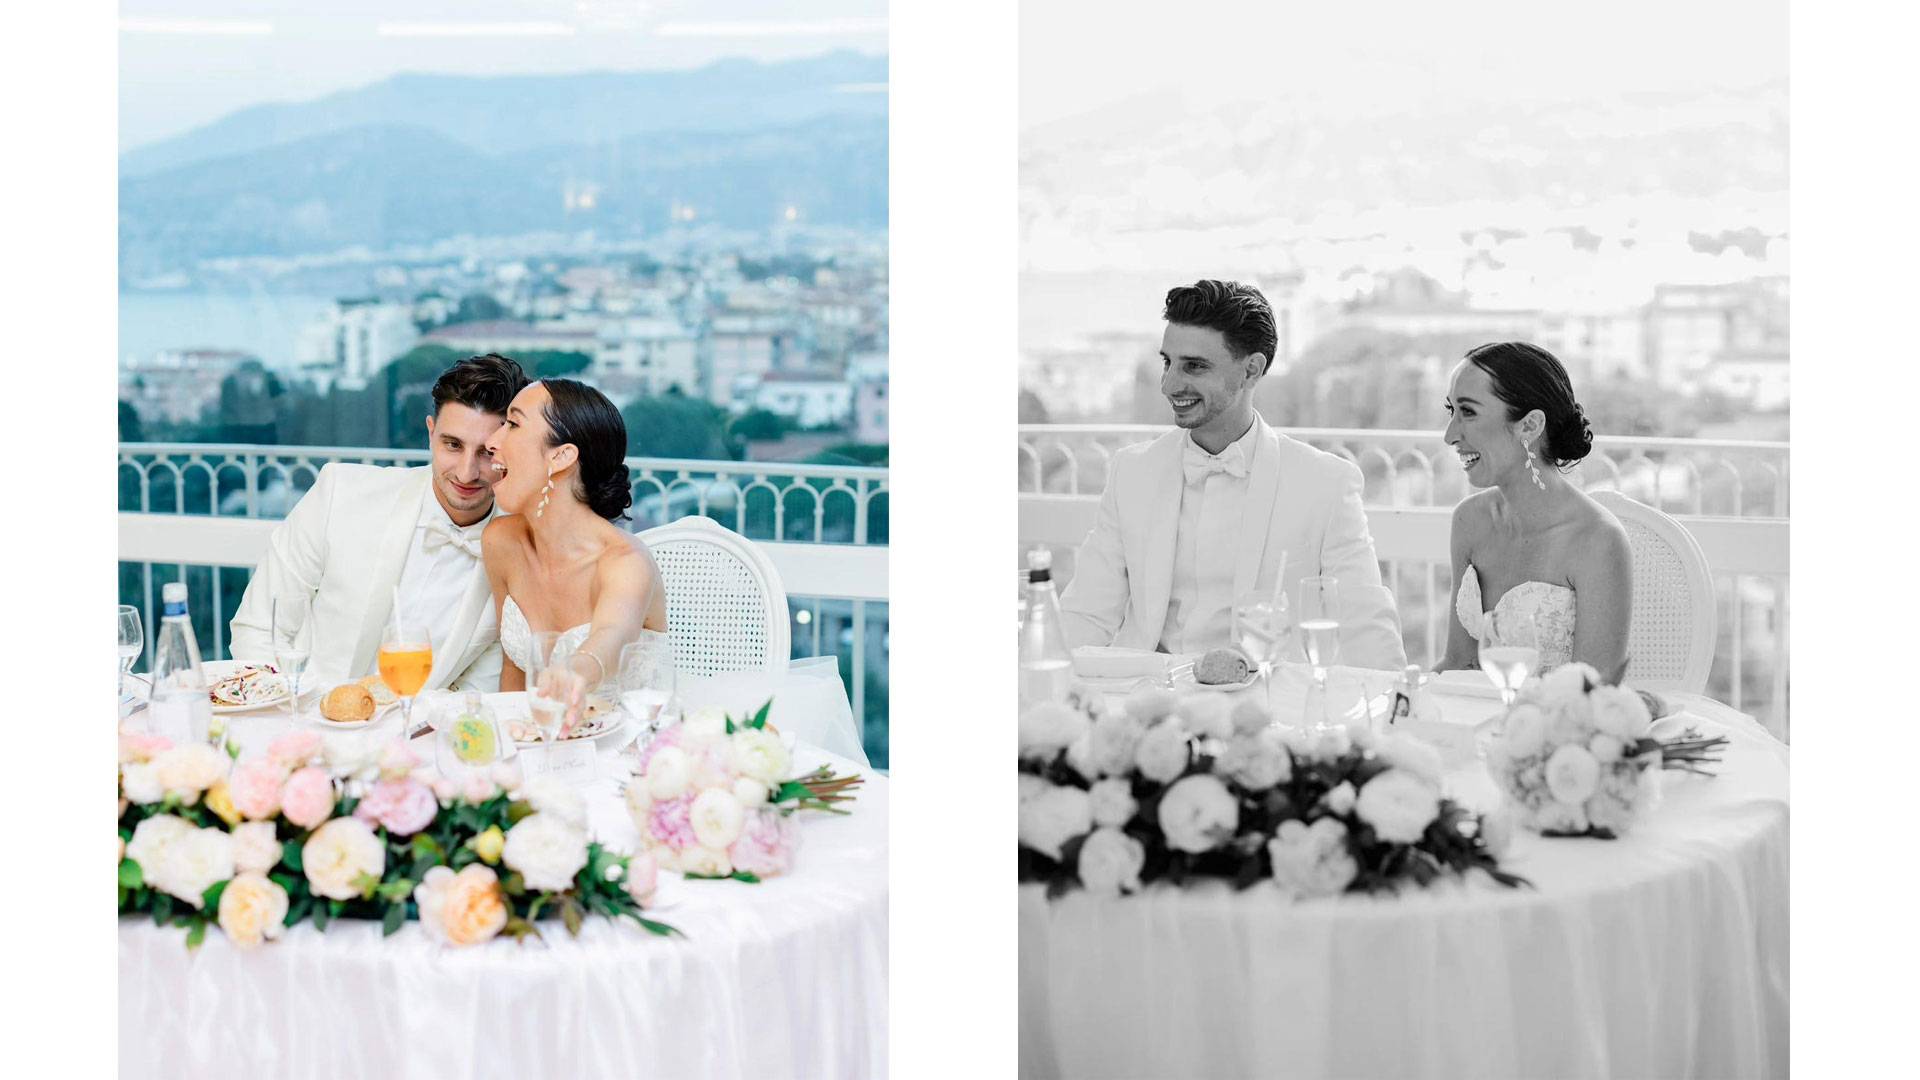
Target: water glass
{"x":292,"y":642}
{"x":1320,"y":638}
{"x":546,"y":705}
{"x":1260,"y":628}
{"x":647,"y":682}
{"x":1511,"y":650}
{"x":133,"y":639}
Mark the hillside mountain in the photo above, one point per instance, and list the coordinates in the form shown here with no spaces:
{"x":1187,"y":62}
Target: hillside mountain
{"x":509,"y":113}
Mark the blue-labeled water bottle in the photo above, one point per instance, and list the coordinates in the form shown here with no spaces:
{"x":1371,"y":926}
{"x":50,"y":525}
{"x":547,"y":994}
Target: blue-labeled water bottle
{"x":179,"y":708}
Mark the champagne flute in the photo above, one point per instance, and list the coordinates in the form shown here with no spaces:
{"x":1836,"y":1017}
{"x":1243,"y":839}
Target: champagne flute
{"x":406,"y":660}
{"x":133,"y":639}
{"x":291,"y":617}
{"x":544,"y":704}
{"x":1511,"y":651}
{"x":1320,"y":636}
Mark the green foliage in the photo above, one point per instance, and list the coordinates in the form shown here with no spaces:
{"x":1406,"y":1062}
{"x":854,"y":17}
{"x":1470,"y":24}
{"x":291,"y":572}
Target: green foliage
{"x":554,"y":364}
{"x":477,"y":307}
{"x":675,"y":426}
{"x":759,"y":425}
{"x":851,"y":454}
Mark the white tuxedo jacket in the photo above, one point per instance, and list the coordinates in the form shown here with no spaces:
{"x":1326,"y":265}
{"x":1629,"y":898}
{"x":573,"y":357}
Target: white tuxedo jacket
{"x":1299,"y":500}
{"x":344,"y":545}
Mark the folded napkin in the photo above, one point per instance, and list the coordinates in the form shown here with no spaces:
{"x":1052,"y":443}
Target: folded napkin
{"x":1103,"y":662}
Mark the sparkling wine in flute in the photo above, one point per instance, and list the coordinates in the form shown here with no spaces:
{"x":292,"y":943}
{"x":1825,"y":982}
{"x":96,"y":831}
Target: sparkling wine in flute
{"x":404,"y":667}
{"x":1321,"y":638}
{"x":1508,"y":665}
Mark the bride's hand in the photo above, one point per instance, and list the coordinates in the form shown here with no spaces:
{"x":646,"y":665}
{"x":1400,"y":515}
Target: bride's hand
{"x":566,"y":685}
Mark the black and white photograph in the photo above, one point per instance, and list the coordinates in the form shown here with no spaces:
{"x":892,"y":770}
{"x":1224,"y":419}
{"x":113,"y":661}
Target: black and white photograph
{"x":1404,"y":460}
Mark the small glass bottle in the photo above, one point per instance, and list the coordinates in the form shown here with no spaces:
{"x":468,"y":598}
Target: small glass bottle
{"x":1046,"y":667}
{"x":179,"y":708}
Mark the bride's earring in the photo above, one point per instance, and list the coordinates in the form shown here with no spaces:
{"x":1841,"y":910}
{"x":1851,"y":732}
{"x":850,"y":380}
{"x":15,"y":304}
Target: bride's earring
{"x":547,"y":492}
{"x":1531,"y":467}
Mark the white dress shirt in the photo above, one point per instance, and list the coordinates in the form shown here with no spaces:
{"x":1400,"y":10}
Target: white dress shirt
{"x":1207,"y":546}
{"x":440,"y":568}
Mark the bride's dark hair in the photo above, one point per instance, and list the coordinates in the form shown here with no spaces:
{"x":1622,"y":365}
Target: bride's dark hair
{"x":1526,"y":377}
{"x":577,"y":413}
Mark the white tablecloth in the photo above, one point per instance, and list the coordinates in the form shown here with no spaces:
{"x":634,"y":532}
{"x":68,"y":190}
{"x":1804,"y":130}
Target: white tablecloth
{"x":785,"y":978}
{"x":1663,"y":953}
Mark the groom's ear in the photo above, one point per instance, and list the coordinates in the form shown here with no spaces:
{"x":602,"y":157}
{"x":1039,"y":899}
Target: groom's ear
{"x":1257,"y":364}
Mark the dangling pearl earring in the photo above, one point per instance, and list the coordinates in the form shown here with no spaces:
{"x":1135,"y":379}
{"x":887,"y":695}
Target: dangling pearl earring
{"x":1531,"y":467}
{"x":545,"y":493}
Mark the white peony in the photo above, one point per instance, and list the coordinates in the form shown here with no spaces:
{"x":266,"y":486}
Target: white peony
{"x":152,"y":837}
{"x":1331,"y":745}
{"x":1110,"y":862}
{"x":1198,"y":814}
{"x":1311,"y":860}
{"x":1558,"y":817}
{"x":1605,"y":749}
{"x":1114,"y":740}
{"x":255,"y":848}
{"x":1031,"y":787}
{"x":1572,"y":775}
{"x":1341,"y":798}
{"x":352,"y":756}
{"x":705,"y":860}
{"x":1049,"y":819}
{"x":253,"y":909}
{"x":759,"y":753}
{"x":337,"y":853}
{"x":552,"y":795}
{"x":141,"y":782}
{"x":1048,"y":728}
{"x":1404,"y":751}
{"x":1208,"y":715}
{"x":1526,"y":729}
{"x":751,"y":792}
{"x":1163,"y":753}
{"x":1080,"y":757}
{"x":639,"y":802}
{"x":546,"y":851}
{"x":193,"y":863}
{"x":1151,"y":705}
{"x":1620,"y":713}
{"x":707,"y":720}
{"x":668,"y":773}
{"x":1111,"y":802}
{"x":1399,"y":805}
{"x":187,"y":771}
{"x":1496,"y":831}
{"x":1566,"y":682}
{"x":1250,"y":716}
{"x":1256,"y":761}
{"x":717,"y":818}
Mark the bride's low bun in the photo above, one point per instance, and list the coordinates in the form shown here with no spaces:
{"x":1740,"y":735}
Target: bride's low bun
{"x":1526,"y":377}
{"x":611,"y":497}
{"x":1571,"y":439}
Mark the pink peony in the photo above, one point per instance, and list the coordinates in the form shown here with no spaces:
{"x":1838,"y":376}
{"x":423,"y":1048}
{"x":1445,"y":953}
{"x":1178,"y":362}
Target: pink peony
{"x":766,"y":846}
{"x":402,"y":807}
{"x":142,"y":747}
{"x":307,"y":800}
{"x":669,"y":737}
{"x":397,"y":760}
{"x":295,"y":749}
{"x":643,"y":877}
{"x":670,"y":822}
{"x":477,"y":787}
{"x":255,"y":788}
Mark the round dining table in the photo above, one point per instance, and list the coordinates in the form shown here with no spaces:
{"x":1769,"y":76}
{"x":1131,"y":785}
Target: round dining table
{"x":1663,"y":953}
{"x":787,"y":977}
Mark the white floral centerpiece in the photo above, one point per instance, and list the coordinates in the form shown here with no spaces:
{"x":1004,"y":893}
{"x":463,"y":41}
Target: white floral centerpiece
{"x":1576,"y":757}
{"x":1176,"y":788}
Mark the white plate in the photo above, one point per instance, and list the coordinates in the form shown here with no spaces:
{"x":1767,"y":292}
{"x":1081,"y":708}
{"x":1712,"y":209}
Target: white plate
{"x":511,"y":707}
{"x":215,"y":670}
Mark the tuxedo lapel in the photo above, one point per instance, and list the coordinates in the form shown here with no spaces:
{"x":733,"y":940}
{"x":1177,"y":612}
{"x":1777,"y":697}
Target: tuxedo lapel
{"x":394,"y":530}
{"x":1256,"y":522}
{"x":1165,"y":484}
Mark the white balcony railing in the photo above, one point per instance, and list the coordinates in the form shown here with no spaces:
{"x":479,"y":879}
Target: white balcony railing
{"x":1733,"y":497}
{"x":210,"y":507}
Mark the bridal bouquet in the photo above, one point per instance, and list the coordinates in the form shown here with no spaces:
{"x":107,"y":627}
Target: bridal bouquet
{"x":1181,"y":787}
{"x":1576,"y":757}
{"x":326,"y":831}
{"x":712,"y":797}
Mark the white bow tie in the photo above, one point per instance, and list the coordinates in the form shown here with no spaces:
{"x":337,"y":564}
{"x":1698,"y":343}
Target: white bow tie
{"x":439,"y":536}
{"x":1198,"y":464}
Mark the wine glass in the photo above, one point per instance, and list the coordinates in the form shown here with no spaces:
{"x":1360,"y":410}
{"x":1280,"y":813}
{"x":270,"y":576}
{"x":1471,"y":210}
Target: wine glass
{"x":1320,"y":636}
{"x":1511,"y":650}
{"x":292,"y":615}
{"x":1260,"y":628}
{"x":547,"y":707}
{"x":406,"y":660}
{"x":133,"y":638}
{"x":647,"y":681}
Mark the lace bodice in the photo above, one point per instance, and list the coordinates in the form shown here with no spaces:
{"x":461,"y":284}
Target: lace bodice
{"x":516,"y":638}
{"x":1552,"y":607}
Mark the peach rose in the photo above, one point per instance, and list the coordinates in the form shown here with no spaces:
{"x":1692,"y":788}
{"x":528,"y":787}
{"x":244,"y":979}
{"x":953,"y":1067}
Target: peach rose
{"x":466,"y":908}
{"x":253,"y":908}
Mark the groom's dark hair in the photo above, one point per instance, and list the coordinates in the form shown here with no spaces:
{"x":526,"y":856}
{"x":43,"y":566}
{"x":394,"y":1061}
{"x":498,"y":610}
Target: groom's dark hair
{"x":1239,"y":312}
{"x":484,"y":383}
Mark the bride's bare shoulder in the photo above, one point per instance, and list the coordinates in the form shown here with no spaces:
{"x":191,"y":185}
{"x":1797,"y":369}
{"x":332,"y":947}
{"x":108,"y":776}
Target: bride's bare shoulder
{"x":626,"y":555}
{"x":1474,"y":514}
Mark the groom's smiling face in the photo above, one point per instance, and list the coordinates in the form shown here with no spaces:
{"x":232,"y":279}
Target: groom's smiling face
{"x":1203,"y":381}
{"x":463,"y":473}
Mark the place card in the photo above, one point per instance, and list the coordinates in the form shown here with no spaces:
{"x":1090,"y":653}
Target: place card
{"x":571,"y":760}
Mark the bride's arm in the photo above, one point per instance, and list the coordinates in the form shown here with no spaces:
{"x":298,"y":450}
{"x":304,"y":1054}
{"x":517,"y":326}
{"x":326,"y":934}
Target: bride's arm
{"x":494,"y":553}
{"x":1462,"y":650}
{"x":627,"y":583}
{"x":1603,"y":590}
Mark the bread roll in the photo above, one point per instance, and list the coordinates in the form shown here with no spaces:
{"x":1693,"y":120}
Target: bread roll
{"x":347,"y":704}
{"x":1220,"y":666}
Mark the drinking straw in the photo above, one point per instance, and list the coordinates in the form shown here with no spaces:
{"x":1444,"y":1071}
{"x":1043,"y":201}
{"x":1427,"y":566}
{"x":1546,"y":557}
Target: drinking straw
{"x":397,"y":624}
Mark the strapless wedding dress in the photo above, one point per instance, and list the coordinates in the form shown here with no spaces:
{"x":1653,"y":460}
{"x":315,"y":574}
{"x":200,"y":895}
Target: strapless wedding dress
{"x":1551,"y":605}
{"x":516,"y":639}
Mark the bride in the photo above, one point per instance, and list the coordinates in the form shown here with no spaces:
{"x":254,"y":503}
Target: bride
{"x":1531,"y":540}
{"x":554,"y":558}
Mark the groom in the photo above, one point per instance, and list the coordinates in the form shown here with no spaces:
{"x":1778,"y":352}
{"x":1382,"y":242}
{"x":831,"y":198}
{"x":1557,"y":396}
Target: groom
{"x":1201,"y":516}
{"x":362,"y":531}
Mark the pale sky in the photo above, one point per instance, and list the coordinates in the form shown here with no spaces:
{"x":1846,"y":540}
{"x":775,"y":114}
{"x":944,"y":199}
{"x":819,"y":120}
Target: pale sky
{"x":184,"y":63}
{"x":1077,"y":55}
